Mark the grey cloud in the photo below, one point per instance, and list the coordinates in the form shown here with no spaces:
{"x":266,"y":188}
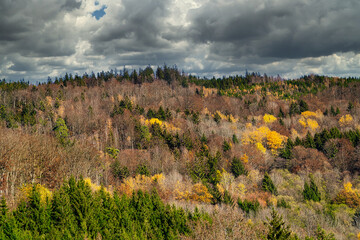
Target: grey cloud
{"x":282,"y":29}
{"x":136,"y":27}
{"x":34,"y":28}
{"x":285,"y":37}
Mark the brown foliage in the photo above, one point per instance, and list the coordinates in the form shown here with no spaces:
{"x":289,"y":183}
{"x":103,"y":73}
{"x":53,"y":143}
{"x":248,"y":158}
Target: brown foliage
{"x":305,"y":159}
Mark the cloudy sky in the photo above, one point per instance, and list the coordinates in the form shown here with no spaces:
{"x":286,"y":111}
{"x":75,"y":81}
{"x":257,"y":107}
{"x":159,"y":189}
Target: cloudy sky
{"x":40,"y":38}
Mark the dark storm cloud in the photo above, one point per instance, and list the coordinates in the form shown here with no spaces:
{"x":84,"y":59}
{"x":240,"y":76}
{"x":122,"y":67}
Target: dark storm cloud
{"x":137,"y":26}
{"x":31,"y":28}
{"x":277,"y":29}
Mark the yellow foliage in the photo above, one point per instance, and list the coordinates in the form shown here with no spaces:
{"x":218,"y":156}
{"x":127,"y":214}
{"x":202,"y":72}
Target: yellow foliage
{"x":255,"y":136}
{"x":313,"y":125}
{"x":358,"y":236}
{"x":308,"y":114}
{"x":153,"y":121}
{"x":302,"y":122}
{"x":220,"y":188}
{"x":245,"y":158}
{"x":229,"y":118}
{"x":232,"y":119}
{"x":25,"y":192}
{"x":205,"y":111}
{"x":268,"y":118}
{"x":141,"y":182}
{"x":158,"y":178}
{"x":248,"y":125}
{"x":263,"y":135}
{"x":94,"y":187}
{"x":198,"y":193}
{"x":275,"y":140}
{"x":348,"y":188}
{"x":346,"y":120}
{"x":260,"y":147}
{"x":273,"y":201}
{"x":201,"y":193}
{"x":222,"y":116}
{"x":241,"y":188}
{"x":226,"y":180}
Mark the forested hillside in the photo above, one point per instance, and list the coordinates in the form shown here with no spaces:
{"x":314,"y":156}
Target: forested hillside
{"x":165,"y":155}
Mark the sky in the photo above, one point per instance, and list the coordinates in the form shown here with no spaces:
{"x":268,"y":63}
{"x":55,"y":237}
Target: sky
{"x":41,"y":38}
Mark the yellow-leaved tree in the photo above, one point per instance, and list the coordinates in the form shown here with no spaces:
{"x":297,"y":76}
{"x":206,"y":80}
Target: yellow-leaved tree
{"x":346,"y":120}
{"x":268,"y":118}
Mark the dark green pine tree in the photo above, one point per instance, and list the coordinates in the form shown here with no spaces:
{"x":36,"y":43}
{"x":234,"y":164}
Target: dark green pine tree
{"x":161,"y":114}
{"x":297,"y":141}
{"x":268,"y":185}
{"x":350,"y":107}
{"x":286,"y":152}
{"x":3,"y":211}
{"x":82,"y":205}
{"x":34,"y":215}
{"x":237,"y":167}
{"x":235,"y":139}
{"x":62,"y":216}
{"x":311,"y":192}
{"x":277,"y":228}
{"x":332,"y":111}
{"x":212,"y":164}
{"x":335,"y":132}
{"x":319,"y":143}
{"x":303,"y":106}
{"x":309,"y":141}
{"x":281,"y":113}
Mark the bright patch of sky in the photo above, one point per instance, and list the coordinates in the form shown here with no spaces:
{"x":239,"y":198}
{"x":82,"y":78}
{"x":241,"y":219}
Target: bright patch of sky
{"x":100,"y":12}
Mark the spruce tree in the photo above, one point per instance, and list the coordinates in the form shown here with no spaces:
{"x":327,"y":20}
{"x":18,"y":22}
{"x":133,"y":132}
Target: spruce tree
{"x":311,"y":192}
{"x":309,"y":141}
{"x":268,"y":185}
{"x":278,"y":230}
{"x":237,"y":167}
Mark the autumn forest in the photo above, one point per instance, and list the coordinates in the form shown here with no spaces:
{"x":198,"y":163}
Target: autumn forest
{"x":161,"y":154}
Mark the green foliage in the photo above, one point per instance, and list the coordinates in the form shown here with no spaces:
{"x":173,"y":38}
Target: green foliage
{"x":226,"y":146}
{"x":298,"y":107}
{"x":217,"y":118}
{"x":121,"y":172}
{"x":334,"y":112}
{"x":287,"y":151}
{"x":195,"y":117}
{"x":62,"y":132}
{"x":142,"y":169}
{"x":142,"y":136}
{"x":112,"y":152}
{"x":311,"y":192}
{"x":212,"y":164}
{"x":249,"y":206}
{"x":227,"y":199}
{"x":235,"y":140}
{"x":281,"y":113}
{"x":320,"y":234}
{"x":350,"y":107}
{"x":277,"y":229}
{"x":309,"y":141}
{"x":237,"y":167}
{"x":160,"y":114}
{"x":125,"y":103}
{"x":204,"y":139}
{"x":268,"y":185}
{"x":75,"y":212}
{"x":282,"y":203}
